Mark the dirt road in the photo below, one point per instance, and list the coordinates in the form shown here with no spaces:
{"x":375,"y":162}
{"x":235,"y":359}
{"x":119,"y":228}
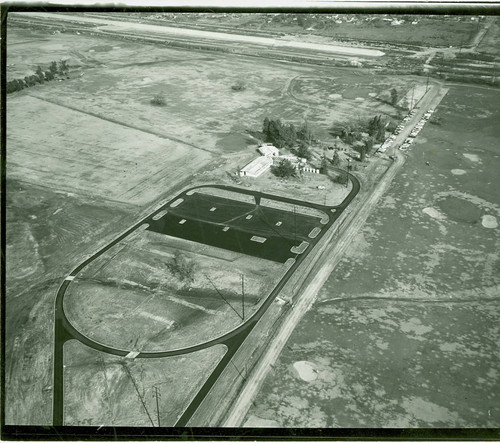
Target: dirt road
{"x":344,"y":235}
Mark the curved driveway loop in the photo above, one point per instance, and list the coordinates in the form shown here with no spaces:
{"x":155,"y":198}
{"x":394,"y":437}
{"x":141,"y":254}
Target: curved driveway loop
{"x":64,"y":330}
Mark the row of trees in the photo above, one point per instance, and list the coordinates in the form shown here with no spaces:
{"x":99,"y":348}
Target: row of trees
{"x":40,"y":76}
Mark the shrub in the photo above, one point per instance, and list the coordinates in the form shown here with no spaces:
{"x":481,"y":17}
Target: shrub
{"x":239,"y":86}
{"x":158,"y":100}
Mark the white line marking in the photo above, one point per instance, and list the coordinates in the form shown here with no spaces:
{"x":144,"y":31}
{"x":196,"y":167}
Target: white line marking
{"x":157,"y":318}
{"x":258,"y":239}
{"x":132,"y":354}
{"x":192,"y":305}
{"x":70,"y":277}
{"x":213,"y":209}
{"x":182,"y":221}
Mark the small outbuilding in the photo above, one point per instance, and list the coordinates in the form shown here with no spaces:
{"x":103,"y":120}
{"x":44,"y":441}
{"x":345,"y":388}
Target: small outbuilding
{"x":269,"y":150}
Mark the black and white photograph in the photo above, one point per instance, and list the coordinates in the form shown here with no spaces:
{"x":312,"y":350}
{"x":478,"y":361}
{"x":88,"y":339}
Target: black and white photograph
{"x":281,"y":219}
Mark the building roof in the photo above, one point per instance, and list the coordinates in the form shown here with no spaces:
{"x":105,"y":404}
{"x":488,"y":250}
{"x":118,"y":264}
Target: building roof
{"x":257,"y":166}
{"x":269,"y":150}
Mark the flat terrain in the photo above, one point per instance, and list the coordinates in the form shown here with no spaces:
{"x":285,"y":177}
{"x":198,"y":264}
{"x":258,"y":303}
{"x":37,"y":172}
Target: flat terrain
{"x":409,"y":318}
{"x":104,"y":389}
{"x":90,"y":155}
{"x":425,"y":30}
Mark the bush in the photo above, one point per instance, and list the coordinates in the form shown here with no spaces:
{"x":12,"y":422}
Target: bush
{"x":158,"y":100}
{"x":183,"y":268}
{"x":239,"y":86}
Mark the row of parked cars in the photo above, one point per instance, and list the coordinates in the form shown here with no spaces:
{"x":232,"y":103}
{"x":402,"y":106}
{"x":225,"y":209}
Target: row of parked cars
{"x":388,"y":142}
{"x":418,"y":127}
{"x":407,"y":143}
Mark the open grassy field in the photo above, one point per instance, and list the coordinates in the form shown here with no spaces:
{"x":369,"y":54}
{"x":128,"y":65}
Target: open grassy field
{"x":104,"y":389}
{"x":404,"y":332}
{"x":128,"y":298}
{"x":90,"y":155}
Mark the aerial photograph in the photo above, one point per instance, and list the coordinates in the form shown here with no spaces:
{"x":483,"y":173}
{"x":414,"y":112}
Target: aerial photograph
{"x":252,"y":220}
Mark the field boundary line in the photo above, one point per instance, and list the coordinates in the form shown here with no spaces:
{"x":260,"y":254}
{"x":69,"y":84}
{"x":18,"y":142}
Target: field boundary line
{"x":117,"y":122}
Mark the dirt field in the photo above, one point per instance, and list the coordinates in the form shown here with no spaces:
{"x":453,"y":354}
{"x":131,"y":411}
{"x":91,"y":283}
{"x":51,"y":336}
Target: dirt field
{"x":128,"y":298}
{"x":418,"y":349}
{"x":103,"y":389}
{"x":90,"y":155}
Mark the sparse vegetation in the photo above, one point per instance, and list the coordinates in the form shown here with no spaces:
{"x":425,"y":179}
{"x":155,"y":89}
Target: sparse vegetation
{"x":239,"y":86}
{"x":183,"y":268}
{"x":158,"y":100}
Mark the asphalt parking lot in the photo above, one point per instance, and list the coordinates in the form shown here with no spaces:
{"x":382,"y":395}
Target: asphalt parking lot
{"x":246,"y":228}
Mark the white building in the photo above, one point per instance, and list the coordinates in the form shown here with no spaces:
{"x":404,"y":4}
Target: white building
{"x":269,"y":150}
{"x":257,"y":166}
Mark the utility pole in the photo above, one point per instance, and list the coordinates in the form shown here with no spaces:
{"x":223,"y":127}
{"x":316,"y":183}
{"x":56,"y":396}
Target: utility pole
{"x":239,"y":372}
{"x":412,"y":95}
{"x":157,"y":395}
{"x":295,"y":224}
{"x":427,"y":85}
{"x":243,"y":294}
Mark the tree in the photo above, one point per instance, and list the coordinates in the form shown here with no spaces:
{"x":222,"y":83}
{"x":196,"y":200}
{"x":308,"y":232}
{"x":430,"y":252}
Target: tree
{"x":63,"y":67}
{"x":53,"y":67}
{"x":394,"y":96}
{"x":324,"y":165}
{"x":335,"y":159}
{"x":341,"y":178}
{"x":39,"y":73}
{"x":303,"y":151}
{"x":304,"y":133}
{"x":183,"y":268}
{"x":265,"y":128}
{"x":49,"y":75}
{"x":284,"y":169}
{"x":369,"y":144}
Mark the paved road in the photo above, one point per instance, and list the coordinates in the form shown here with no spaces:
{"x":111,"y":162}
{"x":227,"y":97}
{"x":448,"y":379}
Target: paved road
{"x":326,"y":264}
{"x":64,"y":330}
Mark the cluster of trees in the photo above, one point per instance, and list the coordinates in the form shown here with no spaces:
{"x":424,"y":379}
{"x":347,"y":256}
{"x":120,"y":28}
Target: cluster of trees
{"x":284,"y":135}
{"x":362,"y":135}
{"x":40,"y":76}
{"x":284,"y":169}
{"x":183,"y":268}
{"x":376,"y":128}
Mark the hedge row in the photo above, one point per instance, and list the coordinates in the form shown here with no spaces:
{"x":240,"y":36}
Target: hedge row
{"x":38,"y":77}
